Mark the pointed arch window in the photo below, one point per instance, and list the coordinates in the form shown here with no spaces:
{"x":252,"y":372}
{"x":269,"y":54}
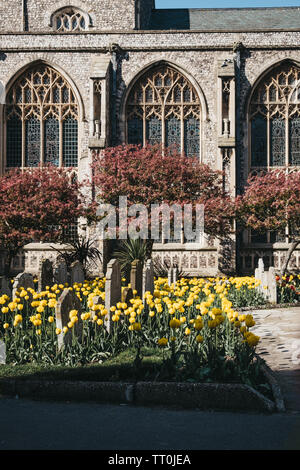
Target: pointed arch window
{"x":70,"y":19}
{"x":41,"y":120}
{"x":275,"y":119}
{"x":163,"y":107}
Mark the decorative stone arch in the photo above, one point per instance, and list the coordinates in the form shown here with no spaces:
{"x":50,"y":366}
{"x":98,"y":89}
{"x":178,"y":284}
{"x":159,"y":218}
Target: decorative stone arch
{"x":45,"y":61}
{"x":143,"y":72}
{"x":79,"y":6}
{"x":71,"y":104}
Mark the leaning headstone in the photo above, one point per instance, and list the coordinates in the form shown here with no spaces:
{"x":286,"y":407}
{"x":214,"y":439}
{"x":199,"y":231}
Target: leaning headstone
{"x":45,"y":274}
{"x":22,"y":280}
{"x":60,"y":274}
{"x":5,"y":286}
{"x":136,"y":277}
{"x":77,"y":273}
{"x":272,"y":285}
{"x":113,"y":289}
{"x":68,"y":301}
{"x":148,"y":277}
{"x":2,"y":353}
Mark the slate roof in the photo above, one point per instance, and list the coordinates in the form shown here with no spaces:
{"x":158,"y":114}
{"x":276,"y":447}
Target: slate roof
{"x":226,"y":19}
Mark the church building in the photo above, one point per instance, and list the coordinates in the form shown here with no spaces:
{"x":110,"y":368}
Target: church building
{"x":223,"y":84}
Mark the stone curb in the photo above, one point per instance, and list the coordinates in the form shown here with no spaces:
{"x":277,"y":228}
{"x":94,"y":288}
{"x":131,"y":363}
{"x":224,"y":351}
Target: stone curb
{"x":209,"y":396}
{"x":267,"y":307}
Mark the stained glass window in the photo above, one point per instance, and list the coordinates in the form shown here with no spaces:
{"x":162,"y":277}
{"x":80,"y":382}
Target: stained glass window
{"x":161,"y":107}
{"x":70,"y":150}
{"x":277,"y":136}
{"x":32,"y":142}
{"x":14,"y":142}
{"x":135,"y":130}
{"x":51,"y":141}
{"x":41,"y":106}
{"x":173,"y":132}
{"x":294,"y":131}
{"x":191,"y":136}
{"x":275,"y":107}
{"x":259,"y":141}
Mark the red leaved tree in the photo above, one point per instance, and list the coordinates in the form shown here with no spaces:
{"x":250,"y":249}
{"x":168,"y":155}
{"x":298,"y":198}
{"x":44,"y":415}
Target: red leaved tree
{"x":37,"y":204}
{"x":271,"y":202}
{"x":147,"y":176}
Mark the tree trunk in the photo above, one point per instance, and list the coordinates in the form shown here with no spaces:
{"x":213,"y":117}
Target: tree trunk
{"x":7,"y":264}
{"x":291,"y":250}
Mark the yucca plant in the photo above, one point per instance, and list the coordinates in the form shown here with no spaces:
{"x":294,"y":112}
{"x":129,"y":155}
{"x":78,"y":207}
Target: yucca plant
{"x":127,"y":251}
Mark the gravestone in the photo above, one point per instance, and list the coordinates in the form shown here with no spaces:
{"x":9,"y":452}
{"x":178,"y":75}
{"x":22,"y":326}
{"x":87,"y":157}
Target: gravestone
{"x":77,"y":273}
{"x":113,"y":289}
{"x":136,"y":277}
{"x":127,"y":295}
{"x":148,"y":277}
{"x":61,"y":275}
{"x":45,"y":274}
{"x":67,"y":301}
{"x":268,"y":286}
{"x":22,"y":280}
{"x":5,"y":286}
{"x":2,"y":353}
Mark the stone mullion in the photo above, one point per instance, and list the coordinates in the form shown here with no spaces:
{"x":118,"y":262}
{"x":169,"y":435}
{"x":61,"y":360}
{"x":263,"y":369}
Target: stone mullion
{"x":61,"y":156}
{"x":23,"y":137}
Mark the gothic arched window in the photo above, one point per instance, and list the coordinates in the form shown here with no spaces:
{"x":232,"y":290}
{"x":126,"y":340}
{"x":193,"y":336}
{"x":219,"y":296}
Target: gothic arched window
{"x":70,"y":19}
{"x":163,"y":107}
{"x":41,"y":120}
{"x":275,"y":119}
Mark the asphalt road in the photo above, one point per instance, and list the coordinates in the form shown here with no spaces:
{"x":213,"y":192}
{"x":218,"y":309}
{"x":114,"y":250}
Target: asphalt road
{"x":33,"y":425}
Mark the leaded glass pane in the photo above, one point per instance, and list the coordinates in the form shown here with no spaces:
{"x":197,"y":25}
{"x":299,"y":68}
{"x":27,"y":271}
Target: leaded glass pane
{"x":277,"y":131}
{"x":259,"y":141}
{"x":14,"y":142}
{"x":32,"y":142}
{"x":173,"y":132}
{"x":70,"y":142}
{"x":135,"y":131}
{"x":153,"y":130}
{"x":51,"y":150}
{"x":294,"y":131}
{"x":191,"y":136}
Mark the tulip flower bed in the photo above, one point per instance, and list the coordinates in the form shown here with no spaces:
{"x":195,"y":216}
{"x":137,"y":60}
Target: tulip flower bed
{"x":288,"y":288}
{"x":192,"y":329}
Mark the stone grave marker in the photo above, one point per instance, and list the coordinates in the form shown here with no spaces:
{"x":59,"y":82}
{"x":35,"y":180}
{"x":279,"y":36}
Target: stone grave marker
{"x":45,"y":274}
{"x":67,"y":301}
{"x":77,"y":273}
{"x":22,"y":280}
{"x":268,"y":280}
{"x":2,"y":352}
{"x":148,"y":277}
{"x":113,"y":289}
{"x":127,"y":295}
{"x":61,"y":275}
{"x":136,"y":277}
{"x":5,"y":286}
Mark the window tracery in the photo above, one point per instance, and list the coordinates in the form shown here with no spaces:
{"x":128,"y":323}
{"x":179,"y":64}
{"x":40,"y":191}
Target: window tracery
{"x":163,"y":107}
{"x":275,"y":119}
{"x":41,"y":120}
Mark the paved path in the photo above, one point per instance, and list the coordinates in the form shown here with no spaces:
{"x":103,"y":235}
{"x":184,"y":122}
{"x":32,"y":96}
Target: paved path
{"x":34,"y":425}
{"x":279,"y":330}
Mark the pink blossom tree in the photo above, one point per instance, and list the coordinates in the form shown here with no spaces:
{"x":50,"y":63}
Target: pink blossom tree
{"x":37,"y":204}
{"x":271,"y":202}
